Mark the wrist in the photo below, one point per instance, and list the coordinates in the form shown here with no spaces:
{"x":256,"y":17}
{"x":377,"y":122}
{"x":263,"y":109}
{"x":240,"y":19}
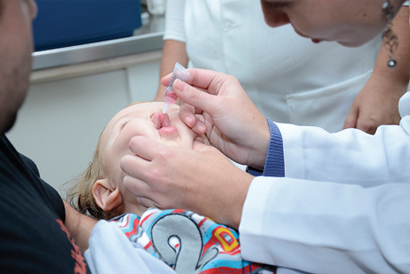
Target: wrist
{"x":235,"y":215}
{"x":259,"y":151}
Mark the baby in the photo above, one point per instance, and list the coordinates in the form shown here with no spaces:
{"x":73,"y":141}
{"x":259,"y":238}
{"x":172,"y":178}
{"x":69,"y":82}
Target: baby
{"x":187,"y":242}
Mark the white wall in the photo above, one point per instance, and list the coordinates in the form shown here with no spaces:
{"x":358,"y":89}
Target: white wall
{"x":60,"y":121}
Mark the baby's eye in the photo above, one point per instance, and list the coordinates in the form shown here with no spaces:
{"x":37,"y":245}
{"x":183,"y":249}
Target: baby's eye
{"x":122,"y":125}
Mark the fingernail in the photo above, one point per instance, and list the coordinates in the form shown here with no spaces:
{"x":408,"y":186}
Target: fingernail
{"x":189,"y":121}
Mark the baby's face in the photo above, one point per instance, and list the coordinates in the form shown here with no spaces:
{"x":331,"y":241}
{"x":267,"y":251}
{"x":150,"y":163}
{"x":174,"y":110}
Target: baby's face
{"x":143,"y":119}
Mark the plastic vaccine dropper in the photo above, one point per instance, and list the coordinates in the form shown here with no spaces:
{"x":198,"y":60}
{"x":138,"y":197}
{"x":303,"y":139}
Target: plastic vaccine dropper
{"x":170,"y":97}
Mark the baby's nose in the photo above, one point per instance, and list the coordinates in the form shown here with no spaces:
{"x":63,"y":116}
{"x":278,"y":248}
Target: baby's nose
{"x":160,"y":120}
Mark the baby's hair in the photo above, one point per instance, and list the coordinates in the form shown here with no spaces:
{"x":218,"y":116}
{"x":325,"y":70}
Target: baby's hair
{"x":80,"y":195}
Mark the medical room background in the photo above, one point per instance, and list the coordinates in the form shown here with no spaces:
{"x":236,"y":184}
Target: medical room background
{"x":84,"y":71}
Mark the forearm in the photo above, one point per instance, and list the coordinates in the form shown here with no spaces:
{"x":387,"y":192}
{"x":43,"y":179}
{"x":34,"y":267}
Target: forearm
{"x":79,"y":226}
{"x":377,"y":102}
{"x":172,"y":52}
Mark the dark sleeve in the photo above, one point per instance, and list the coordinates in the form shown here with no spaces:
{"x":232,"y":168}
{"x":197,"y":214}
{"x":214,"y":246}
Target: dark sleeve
{"x":54,"y":199}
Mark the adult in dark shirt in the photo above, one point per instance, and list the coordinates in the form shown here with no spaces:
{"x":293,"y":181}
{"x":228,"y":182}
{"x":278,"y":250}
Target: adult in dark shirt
{"x":33,"y":237}
{"x":33,"y":234}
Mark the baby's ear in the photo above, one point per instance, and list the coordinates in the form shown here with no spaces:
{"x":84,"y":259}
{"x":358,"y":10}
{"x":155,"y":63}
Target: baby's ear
{"x":106,"y":196}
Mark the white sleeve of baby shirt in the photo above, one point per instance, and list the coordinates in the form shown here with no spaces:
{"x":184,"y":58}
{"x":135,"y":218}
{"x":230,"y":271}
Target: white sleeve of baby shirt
{"x":110,"y":251}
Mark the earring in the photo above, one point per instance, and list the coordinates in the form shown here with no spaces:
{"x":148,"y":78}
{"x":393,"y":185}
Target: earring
{"x":389,"y":37}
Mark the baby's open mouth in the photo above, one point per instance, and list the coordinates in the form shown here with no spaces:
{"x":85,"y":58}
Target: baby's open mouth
{"x":160,"y":120}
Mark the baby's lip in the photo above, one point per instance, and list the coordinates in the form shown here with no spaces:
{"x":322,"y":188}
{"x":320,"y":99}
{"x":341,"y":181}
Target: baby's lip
{"x":160,"y":120}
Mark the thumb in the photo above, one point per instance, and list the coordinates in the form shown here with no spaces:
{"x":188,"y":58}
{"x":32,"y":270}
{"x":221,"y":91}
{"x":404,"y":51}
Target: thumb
{"x":144,"y":147}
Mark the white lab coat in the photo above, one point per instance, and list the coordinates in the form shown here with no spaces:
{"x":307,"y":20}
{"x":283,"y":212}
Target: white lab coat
{"x":354,"y":218}
{"x":289,"y":78}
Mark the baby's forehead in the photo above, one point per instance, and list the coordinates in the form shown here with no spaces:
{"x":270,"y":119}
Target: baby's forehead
{"x":140,"y":110}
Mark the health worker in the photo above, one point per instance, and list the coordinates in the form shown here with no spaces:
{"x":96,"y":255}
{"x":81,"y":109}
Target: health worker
{"x":311,"y":201}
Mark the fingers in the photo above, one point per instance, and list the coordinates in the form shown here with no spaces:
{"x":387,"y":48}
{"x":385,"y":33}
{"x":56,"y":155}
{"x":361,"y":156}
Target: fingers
{"x":368,"y":124}
{"x":134,"y":165}
{"x":141,"y":190}
{"x":138,"y":166}
{"x":199,"y":78}
{"x":195,"y":122}
{"x":136,"y":186}
{"x":187,"y":114}
{"x":351,"y":120}
{"x":141,"y":165}
{"x":165,"y":80}
{"x":144,"y":147}
{"x":195,"y":101}
{"x":147,"y":202}
{"x":191,"y":95}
